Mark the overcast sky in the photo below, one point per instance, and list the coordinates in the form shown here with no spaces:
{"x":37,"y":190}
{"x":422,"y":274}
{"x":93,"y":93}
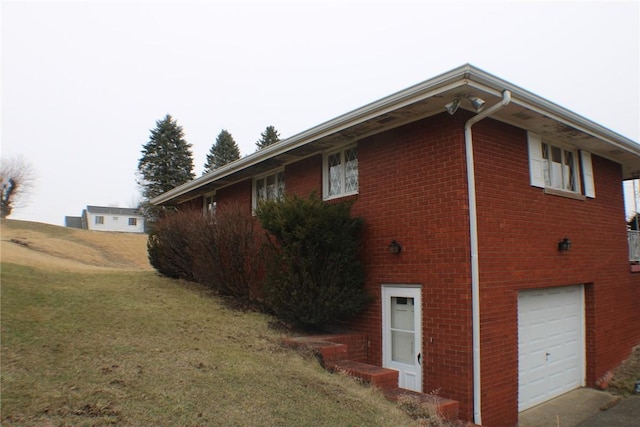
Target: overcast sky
{"x":83,"y":82}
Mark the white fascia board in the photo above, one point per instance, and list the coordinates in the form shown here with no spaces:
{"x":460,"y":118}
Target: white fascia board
{"x":392,"y":102}
{"x":466,"y":75}
{"x":554,"y":111}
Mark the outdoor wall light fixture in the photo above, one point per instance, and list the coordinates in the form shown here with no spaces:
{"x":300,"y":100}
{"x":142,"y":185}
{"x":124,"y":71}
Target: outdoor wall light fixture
{"x":395,"y":247}
{"x":476,"y":103}
{"x":453,"y":106}
{"x":564,"y":244}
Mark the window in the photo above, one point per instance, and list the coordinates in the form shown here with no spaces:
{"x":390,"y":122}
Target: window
{"x":209,"y":206}
{"x":268,"y":187}
{"x":133,"y":222}
{"x":340,"y":173}
{"x":559,"y":169}
{"x":99,"y":219}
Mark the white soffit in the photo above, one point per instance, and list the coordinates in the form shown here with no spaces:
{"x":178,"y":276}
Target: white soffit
{"x":526,"y":110}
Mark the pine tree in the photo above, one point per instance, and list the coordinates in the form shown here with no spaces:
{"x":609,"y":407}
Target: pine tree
{"x":268,"y":137}
{"x":223,"y":151}
{"x":166,"y":162}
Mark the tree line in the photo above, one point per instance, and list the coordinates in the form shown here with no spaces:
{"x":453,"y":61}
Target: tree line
{"x":166,"y":162}
{"x":167,"y":159}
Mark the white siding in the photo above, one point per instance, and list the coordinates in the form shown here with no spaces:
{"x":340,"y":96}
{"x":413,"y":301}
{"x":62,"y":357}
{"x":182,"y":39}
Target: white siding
{"x":115,"y":222}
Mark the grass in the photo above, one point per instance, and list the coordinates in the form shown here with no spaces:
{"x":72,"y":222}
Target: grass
{"x":86,"y":344}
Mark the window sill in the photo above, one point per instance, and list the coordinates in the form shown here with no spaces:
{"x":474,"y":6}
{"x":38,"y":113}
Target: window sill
{"x":635,"y":268}
{"x":563,"y":193}
{"x":339,"y":196}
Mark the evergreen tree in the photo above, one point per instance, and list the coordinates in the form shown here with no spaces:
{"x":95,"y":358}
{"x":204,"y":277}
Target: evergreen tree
{"x":268,"y":137}
{"x":223,"y":151}
{"x":166,"y":162}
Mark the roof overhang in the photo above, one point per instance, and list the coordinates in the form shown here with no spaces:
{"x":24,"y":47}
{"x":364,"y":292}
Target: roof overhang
{"x":526,"y":110}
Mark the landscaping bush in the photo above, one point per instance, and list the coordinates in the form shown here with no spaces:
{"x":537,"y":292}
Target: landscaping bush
{"x":169,"y":241}
{"x":226,"y":254}
{"x":220,"y":251}
{"x":314,"y":275}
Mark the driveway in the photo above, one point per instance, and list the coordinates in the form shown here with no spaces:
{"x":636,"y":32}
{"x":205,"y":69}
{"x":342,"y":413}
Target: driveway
{"x":584,"y":407}
{"x":626,"y":413}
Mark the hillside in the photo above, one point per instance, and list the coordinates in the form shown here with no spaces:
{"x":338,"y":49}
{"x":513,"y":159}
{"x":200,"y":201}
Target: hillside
{"x":49,"y":246}
{"x":91,"y":335}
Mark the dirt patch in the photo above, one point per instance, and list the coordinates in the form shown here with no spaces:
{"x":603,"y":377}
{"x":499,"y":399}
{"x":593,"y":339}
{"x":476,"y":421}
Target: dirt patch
{"x":627,"y":374}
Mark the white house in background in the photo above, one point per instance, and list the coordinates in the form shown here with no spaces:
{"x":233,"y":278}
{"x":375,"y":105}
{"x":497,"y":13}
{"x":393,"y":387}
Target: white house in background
{"x":101,"y":218}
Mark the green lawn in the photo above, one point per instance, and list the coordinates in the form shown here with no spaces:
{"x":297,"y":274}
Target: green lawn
{"x":133,"y":348}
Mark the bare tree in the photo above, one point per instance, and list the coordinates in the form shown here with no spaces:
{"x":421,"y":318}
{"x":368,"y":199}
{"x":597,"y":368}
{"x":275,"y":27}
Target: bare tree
{"x":17,"y":179}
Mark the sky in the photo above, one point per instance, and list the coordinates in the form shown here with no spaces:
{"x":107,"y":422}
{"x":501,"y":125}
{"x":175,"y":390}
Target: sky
{"x":84,"y":82}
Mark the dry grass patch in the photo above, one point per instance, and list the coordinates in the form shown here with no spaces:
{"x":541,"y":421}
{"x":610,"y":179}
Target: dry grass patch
{"x":627,"y":374}
{"x":130,"y":348}
{"x":50,"y":246}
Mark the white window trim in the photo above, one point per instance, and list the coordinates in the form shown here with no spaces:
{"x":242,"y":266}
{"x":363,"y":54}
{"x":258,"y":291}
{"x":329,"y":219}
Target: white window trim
{"x":254,"y":200}
{"x":582,"y":164}
{"x":325,"y":173}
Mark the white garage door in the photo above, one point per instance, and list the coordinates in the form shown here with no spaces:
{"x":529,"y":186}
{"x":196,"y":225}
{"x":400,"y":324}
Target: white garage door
{"x":550,"y":343}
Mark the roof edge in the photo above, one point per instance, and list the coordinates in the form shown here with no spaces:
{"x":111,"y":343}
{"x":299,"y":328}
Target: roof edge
{"x":458,"y":76}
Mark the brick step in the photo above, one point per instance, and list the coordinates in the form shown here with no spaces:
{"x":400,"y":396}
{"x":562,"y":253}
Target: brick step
{"x":332,"y":347}
{"x":336,"y":355}
{"x":325,"y":350}
{"x":383,"y":378}
{"x":445,"y":408}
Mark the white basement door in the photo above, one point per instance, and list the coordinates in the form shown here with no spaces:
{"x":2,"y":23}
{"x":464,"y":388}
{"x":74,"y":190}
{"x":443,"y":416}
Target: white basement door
{"x":550,"y":343}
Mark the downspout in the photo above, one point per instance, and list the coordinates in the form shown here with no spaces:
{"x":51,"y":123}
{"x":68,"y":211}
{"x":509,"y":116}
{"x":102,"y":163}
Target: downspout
{"x":475,"y":268}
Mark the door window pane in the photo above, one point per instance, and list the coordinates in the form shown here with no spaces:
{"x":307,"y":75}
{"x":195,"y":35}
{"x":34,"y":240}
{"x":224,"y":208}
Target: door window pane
{"x":402,"y":327}
{"x":402,"y":347}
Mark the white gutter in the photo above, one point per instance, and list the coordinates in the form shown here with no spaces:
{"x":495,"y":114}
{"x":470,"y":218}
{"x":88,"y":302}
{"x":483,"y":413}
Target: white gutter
{"x":475,"y":268}
{"x":466,"y":75}
{"x":425,"y":90}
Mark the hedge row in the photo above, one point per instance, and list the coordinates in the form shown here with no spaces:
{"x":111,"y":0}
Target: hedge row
{"x":303,"y":265}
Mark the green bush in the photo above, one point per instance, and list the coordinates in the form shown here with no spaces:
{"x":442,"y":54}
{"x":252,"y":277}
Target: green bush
{"x":314,"y":274}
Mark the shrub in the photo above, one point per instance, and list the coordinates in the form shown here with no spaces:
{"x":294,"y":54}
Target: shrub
{"x":226,"y":254}
{"x":220,"y":251}
{"x":314,"y":275}
{"x":168,"y":244}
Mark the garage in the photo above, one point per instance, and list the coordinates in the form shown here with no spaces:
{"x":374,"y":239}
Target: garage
{"x":550,"y":343}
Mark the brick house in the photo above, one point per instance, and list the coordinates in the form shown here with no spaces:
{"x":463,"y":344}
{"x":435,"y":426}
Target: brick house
{"x":481,"y":301}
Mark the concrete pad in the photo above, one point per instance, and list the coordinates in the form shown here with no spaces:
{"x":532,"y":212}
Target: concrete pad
{"x":625,"y":413}
{"x":567,"y":410}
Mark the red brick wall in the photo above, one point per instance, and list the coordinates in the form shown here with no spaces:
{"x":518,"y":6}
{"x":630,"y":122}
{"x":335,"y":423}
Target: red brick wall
{"x":304,"y":177}
{"x":413,"y":189}
{"x":193,"y":204}
{"x":237,"y":194}
{"x":519,"y":228}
